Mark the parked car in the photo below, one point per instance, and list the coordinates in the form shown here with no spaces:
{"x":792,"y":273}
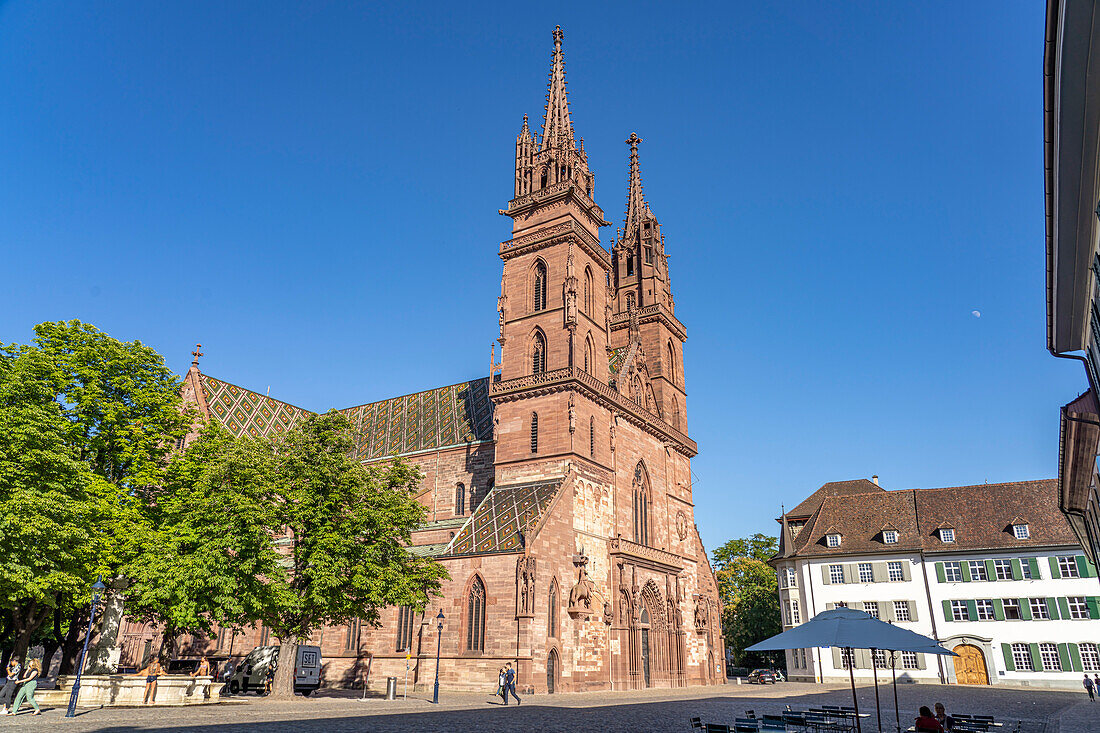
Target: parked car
{"x":251,"y":672}
{"x":763,"y":676}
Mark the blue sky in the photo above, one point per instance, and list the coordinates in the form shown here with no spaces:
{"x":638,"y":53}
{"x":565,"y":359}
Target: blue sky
{"x":311,"y":191}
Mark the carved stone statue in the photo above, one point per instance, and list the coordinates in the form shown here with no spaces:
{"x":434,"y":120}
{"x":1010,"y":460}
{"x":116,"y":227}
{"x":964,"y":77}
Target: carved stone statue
{"x":572,"y":414}
{"x":580,"y":597}
{"x":525,"y":585}
{"x":701,"y":614}
{"x":614,"y":419}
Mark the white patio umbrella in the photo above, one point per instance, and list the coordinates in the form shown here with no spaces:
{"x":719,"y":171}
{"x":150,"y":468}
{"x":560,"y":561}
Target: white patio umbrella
{"x":850,"y":629}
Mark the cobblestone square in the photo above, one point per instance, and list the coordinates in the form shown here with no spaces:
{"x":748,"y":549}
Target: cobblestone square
{"x":660,"y":711}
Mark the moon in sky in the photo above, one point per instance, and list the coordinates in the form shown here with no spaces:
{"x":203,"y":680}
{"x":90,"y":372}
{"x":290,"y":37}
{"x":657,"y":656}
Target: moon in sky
{"x":976,"y":314}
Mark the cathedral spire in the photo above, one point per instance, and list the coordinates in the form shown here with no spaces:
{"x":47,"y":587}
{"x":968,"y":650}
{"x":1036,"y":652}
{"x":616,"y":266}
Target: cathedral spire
{"x":557,"y":127}
{"x":636,"y":207}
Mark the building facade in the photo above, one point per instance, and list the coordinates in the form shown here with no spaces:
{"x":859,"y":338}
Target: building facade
{"x":1071,"y":126}
{"x":994,"y":572}
{"x":558,"y":488}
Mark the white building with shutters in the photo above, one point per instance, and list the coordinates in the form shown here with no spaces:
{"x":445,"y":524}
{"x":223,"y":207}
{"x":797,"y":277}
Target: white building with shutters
{"x":994,"y":572}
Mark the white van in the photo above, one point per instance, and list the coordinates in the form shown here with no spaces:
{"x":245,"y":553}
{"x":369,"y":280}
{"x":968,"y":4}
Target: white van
{"x":251,"y":673}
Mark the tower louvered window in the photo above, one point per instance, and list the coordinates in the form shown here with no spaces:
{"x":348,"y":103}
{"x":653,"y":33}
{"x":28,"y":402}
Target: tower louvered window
{"x":538,"y":354}
{"x":405,"y":615}
{"x":539,"y":288}
{"x":534,"y":432}
{"x":475,"y":617}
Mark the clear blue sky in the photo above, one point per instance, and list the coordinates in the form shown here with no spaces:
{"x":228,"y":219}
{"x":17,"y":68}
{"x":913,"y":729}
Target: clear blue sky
{"x":311,"y":191}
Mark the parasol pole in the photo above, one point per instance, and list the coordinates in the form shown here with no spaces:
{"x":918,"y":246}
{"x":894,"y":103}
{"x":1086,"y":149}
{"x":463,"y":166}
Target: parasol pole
{"x":852,"y":676}
{"x":874,"y":670}
{"x":894,"y":674}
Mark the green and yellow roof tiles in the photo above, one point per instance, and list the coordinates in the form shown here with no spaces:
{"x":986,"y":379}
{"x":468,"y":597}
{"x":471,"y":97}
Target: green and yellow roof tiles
{"x":506,"y":516}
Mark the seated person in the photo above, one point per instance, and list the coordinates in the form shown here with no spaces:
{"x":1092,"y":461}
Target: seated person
{"x":927,"y":723}
{"x":946,"y":720}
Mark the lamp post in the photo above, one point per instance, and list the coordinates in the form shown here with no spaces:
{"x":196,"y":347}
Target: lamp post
{"x":438,"y":644}
{"x":98,"y":588}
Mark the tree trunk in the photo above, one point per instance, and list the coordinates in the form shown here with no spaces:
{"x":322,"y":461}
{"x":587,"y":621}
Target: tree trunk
{"x":168,"y":639}
{"x":74,"y":641}
{"x":282,"y":688}
{"x":26,"y":619}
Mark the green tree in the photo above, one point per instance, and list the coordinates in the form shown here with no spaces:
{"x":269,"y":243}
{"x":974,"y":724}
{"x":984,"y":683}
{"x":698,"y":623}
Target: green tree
{"x":749,"y":591}
{"x":345,"y":530}
{"x":204,"y":554}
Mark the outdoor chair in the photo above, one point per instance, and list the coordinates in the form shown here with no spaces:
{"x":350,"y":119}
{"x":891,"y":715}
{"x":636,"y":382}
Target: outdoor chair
{"x":719,"y":728}
{"x":750,"y":713}
{"x":773,"y":722}
{"x":696,"y":723}
{"x":742,"y":725}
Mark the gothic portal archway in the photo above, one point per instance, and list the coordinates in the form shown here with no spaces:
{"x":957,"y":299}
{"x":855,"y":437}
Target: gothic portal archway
{"x":552,"y":672}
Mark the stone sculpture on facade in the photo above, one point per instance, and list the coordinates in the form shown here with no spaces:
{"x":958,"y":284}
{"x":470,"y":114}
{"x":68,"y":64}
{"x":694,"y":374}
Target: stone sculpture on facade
{"x":525,"y":586}
{"x":580,"y":597}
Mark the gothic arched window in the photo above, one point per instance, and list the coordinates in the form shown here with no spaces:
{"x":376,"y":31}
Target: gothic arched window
{"x":475,"y":617}
{"x":538,"y":286}
{"x":629,"y":301}
{"x":641,"y":505}
{"x":460,"y":499}
{"x":552,"y":612}
{"x":671,"y":363}
{"x":534,"y":432}
{"x":589,"y":355}
{"x":538,"y":354}
{"x":588,"y":291}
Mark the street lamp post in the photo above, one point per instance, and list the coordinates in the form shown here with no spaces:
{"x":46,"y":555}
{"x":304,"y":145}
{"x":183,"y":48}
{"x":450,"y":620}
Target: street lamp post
{"x":438,"y":644}
{"x":98,"y":588}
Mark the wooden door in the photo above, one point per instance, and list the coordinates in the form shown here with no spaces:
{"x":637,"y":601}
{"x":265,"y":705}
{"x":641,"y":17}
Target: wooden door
{"x":970,"y":665}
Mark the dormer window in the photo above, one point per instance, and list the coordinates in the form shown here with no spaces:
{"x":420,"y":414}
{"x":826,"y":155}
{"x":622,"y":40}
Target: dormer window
{"x":947,"y":534}
{"x":890,"y":536}
{"x":832,"y":540}
{"x":1021,"y":531}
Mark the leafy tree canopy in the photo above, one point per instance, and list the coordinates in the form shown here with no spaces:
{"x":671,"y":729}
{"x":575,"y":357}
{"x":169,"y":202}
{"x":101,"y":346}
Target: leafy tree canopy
{"x":749,"y":591}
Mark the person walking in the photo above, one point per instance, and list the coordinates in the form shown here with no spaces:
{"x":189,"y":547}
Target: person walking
{"x":510,"y":683}
{"x":1087,"y":682}
{"x":1096,"y":682}
{"x":500,"y":686}
{"x":12,"y":684}
{"x":152,"y":672}
{"x":30,"y":684}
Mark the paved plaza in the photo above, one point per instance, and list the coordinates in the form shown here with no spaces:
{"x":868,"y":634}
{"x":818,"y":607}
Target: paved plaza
{"x":648,"y":711}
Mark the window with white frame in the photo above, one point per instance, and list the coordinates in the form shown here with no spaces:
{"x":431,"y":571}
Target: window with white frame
{"x":1067,"y":566}
{"x":894,"y":571}
{"x":786,"y":615}
{"x":977,"y":570}
{"x":952,"y":572}
{"x":871,"y":607}
{"x":909,"y":660}
{"x":1025,"y":569}
{"x":1090,"y":657}
{"x":1048,"y":653}
{"x":1012,"y":609}
{"x":1078,"y":607}
{"x":790,"y":578}
{"x":890,"y":536}
{"x":846,"y":658}
{"x":1003,"y":568}
{"x":796,"y":616}
{"x":901,"y":611}
{"x":1039,"y":608}
{"x":1020,"y":531}
{"x":985,"y":609}
{"x":866,"y":575}
{"x":959,"y":611}
{"x":836,"y":573}
{"x":802,"y":657}
{"x":832,"y":540}
{"x":947,"y":534}
{"x":1021,"y":657}
{"x":880,"y":659}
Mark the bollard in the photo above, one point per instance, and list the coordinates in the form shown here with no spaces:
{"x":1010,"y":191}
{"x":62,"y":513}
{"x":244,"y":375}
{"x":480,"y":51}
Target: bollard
{"x":391,"y":688}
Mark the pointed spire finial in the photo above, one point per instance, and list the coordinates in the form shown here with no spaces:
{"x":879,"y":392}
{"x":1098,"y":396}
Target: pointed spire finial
{"x":635,"y":199}
{"x":197,"y":353}
{"x":557,"y":127}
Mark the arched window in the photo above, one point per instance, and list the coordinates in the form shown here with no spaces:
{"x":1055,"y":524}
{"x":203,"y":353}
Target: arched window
{"x":592,"y":437}
{"x":589,"y":355}
{"x":534,"y":432}
{"x":588,"y":290}
{"x":641,"y":505}
{"x":542,"y":179}
{"x":538,"y":286}
{"x":460,"y":499}
{"x":538,"y":354}
{"x":475,"y":617}
{"x":671,"y":363}
{"x":629,"y":301}
{"x":552,"y":611}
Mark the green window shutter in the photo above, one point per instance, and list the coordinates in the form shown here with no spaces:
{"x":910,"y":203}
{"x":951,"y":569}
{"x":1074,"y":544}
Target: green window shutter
{"x":1094,"y":607}
{"x":1036,"y":658}
{"x":947,"y":611}
{"x":1025,"y":609}
{"x":1054,"y":572}
{"x":1063,"y":655}
{"x":972,"y":610}
{"x":1052,"y":608}
{"x":990,"y":570}
{"x":1075,"y":657}
{"x":939,"y":573}
{"x":1017,"y":571}
{"x":1090,"y":568}
{"x":965,"y":568}
{"x":998,"y":609}
{"x":1033,"y":562}
{"x":1010,"y":665}
{"x":1063,"y":607}
{"x":1085,"y":568}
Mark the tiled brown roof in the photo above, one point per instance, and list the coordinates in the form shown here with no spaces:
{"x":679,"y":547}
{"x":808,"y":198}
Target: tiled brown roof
{"x":834,"y":488}
{"x":981,"y":515}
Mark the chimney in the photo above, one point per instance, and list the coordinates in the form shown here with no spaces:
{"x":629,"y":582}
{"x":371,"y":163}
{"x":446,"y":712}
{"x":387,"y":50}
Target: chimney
{"x":875,"y":479}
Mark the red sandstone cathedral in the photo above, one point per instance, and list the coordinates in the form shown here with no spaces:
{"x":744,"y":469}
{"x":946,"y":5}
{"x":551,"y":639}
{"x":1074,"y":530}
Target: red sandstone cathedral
{"x":559,"y":487}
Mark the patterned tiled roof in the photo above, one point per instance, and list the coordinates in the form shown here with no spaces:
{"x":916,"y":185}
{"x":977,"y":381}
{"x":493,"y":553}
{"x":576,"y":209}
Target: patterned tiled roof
{"x":615,"y":361}
{"x":503,"y":515}
{"x":435,"y":418}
